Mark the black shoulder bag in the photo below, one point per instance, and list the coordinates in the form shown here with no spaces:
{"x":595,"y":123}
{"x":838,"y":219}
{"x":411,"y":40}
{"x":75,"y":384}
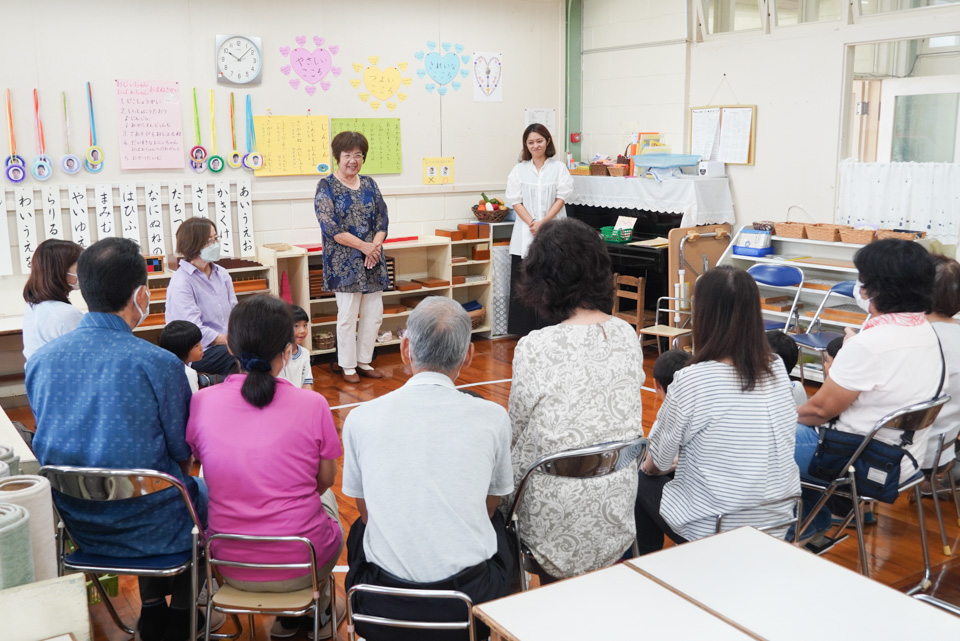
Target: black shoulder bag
{"x":877,"y":469}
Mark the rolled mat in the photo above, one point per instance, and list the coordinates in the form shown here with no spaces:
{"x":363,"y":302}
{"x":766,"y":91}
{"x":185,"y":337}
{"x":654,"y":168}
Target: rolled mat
{"x":16,"y":552}
{"x":33,"y":493}
{"x":4,"y":470}
{"x":12,"y":460}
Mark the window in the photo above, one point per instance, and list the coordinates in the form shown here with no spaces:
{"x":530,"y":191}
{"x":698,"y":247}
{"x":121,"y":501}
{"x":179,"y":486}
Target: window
{"x":871,"y":7}
{"x":724,"y":16}
{"x":804,"y":11}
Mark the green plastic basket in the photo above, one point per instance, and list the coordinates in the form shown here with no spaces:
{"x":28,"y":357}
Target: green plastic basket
{"x":613,"y":235}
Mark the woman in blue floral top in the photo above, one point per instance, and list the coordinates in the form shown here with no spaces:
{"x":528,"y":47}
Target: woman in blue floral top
{"x":353,"y":218}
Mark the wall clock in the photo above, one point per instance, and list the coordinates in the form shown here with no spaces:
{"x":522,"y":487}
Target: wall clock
{"x":238,"y":60}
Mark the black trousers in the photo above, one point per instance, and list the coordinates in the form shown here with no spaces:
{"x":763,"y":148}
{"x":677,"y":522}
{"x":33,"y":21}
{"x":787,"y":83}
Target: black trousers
{"x":521,"y":320}
{"x":217,"y":360}
{"x":483,"y":582}
{"x":650,"y":525}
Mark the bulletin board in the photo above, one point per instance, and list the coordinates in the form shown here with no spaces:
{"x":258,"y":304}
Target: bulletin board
{"x":293,"y":145}
{"x":727,"y":133}
{"x":383,"y":135}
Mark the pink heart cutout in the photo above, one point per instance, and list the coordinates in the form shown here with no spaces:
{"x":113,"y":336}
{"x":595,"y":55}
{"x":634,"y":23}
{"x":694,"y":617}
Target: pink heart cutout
{"x":312,"y":67}
{"x":285,"y":70}
{"x":295,"y":83}
{"x":334,"y":49}
{"x":336,"y":71}
{"x":317,"y":40}
{"x":284,"y":51}
{"x":324,"y":84}
{"x":301,"y":40}
{"x":310,"y":89}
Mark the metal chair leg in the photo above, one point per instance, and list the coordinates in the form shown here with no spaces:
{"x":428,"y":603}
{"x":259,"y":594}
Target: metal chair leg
{"x":936,"y":510}
{"x":333,"y":608}
{"x":107,"y":602}
{"x":194,"y":581}
{"x":253,"y":627}
{"x":858,"y":520}
{"x":956,"y":496}
{"x":925,"y":583}
{"x":803,"y":378}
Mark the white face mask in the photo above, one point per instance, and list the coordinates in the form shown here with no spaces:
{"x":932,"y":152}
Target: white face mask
{"x":862,"y":303}
{"x":211,"y":254}
{"x":74,"y":286}
{"x":146,"y":310}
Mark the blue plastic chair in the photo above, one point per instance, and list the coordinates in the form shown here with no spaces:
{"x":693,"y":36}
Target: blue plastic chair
{"x":816,"y":339}
{"x":779,"y":276}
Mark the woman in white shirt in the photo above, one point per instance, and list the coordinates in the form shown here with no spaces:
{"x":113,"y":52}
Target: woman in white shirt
{"x":53,"y":275}
{"x":537,"y":188}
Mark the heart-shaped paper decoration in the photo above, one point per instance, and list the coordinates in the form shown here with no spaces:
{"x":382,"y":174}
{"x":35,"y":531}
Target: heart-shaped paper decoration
{"x":374,"y":105}
{"x":374,"y":59}
{"x":317,"y":40}
{"x":442,"y":69}
{"x":430,"y":87}
{"x":301,"y":40}
{"x":407,"y":80}
{"x":402,"y":66}
{"x":295,"y":83}
{"x":357,"y":67}
{"x":458,"y":48}
{"x":464,"y":73}
{"x":382,"y":83}
{"x":418,"y":55}
{"x":355,"y":83}
{"x":446,"y":46}
{"x":284,"y":51}
{"x":431,"y":45}
{"x":455,"y":84}
{"x":312,"y":89}
{"x":421,"y":72}
{"x":364,"y":96}
{"x":336,"y":71}
{"x":442,"y":90}
{"x":324,"y":85}
{"x":465,"y":59}
{"x":487,"y":73}
{"x":334,"y":49}
{"x":285,"y":70}
{"x":391,"y":106}
{"x":312,"y":67}
{"x":401,"y":97}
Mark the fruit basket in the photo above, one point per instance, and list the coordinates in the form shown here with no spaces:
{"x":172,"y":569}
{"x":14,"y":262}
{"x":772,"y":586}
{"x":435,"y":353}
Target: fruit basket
{"x":490,"y":210}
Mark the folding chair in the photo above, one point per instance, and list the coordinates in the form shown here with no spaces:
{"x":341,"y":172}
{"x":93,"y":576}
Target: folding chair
{"x":797,"y":500}
{"x":234,"y":601}
{"x":914,"y":417}
{"x":634,"y":293}
{"x":582,"y":463}
{"x":665,"y":330}
{"x":937,"y":603}
{"x":779,"y":276}
{"x":100,"y":484}
{"x":355,"y":617}
{"x":934,"y":475}
{"x":814,"y":338}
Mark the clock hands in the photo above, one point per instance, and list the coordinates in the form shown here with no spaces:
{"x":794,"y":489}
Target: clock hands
{"x":234,"y":57}
{"x":245,"y":53}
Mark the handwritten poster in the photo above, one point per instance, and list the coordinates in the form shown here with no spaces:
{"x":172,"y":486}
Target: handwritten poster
{"x":6,"y":262}
{"x":546,"y":117}
{"x":201,"y":202}
{"x":177,"y":210}
{"x":129,"y":212}
{"x":705,"y":125}
{"x":150,"y":123}
{"x":735,"y":134}
{"x":293,"y":145}
{"x":103,"y":206}
{"x":79,"y":217}
{"x":487,"y":71}
{"x":52,"y":223}
{"x":26,"y":226}
{"x":156,"y":244}
{"x":245,"y":218}
{"x":224,"y":217}
{"x":438,"y":171}
{"x":383,"y":135}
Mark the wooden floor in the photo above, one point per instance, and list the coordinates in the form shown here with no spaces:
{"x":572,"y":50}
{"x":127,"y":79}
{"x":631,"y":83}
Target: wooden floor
{"x":892,"y":544}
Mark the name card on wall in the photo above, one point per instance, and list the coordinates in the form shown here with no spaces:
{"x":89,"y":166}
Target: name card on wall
{"x":26,"y":226}
{"x":150,"y":124}
{"x":52,"y":215}
{"x":129,"y":212}
{"x":201,"y":202}
{"x":79,"y":217}
{"x":245,"y":219}
{"x":156,"y":243}
{"x":177,"y":211}
{"x":103,"y":197}
{"x":223,"y":218}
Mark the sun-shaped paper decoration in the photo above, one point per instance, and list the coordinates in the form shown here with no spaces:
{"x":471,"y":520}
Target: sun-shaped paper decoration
{"x":380,"y":84}
{"x":311,"y":66}
{"x":443,"y":66}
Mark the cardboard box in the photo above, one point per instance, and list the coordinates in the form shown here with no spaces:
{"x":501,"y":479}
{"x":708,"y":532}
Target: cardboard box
{"x":450,"y":233}
{"x":471,"y":231}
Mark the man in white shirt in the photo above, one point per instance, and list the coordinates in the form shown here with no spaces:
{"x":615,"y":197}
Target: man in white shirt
{"x":427,"y":465}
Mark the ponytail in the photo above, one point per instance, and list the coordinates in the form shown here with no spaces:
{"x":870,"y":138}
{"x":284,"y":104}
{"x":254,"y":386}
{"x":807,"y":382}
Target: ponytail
{"x":260,"y":328}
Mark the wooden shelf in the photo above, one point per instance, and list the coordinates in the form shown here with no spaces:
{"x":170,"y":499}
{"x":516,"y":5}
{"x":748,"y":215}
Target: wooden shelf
{"x":470,"y":241}
{"x":318,"y":352}
{"x":808,"y":241}
{"x":804,"y":266}
{"x":255,"y":291}
{"x":470,"y":262}
{"x":414,"y":292}
{"x":475,"y":284}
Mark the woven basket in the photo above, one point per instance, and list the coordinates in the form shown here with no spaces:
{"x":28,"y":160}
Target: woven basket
{"x":899,"y":235}
{"x":485,"y":216}
{"x":763,"y":225}
{"x":824,"y":231}
{"x":477,"y":316}
{"x":618,"y":170}
{"x":858,"y":236}
{"x":790,"y":230}
{"x":598,"y":169}
{"x":324,"y":340}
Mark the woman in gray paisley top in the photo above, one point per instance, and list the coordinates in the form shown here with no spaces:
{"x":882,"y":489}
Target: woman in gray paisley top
{"x":353,"y":219}
{"x":575,"y":384}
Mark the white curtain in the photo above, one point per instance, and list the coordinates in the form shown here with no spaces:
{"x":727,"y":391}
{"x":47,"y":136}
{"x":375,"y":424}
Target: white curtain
{"x":920,"y":196}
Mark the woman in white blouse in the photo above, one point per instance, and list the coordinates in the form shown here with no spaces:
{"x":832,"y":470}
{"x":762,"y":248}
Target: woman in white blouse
{"x":537,"y":188}
{"x":53,"y":275}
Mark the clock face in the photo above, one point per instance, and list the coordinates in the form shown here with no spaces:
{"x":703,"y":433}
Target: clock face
{"x":238,"y":60}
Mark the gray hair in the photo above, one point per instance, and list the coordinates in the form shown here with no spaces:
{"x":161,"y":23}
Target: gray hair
{"x":439,"y":334}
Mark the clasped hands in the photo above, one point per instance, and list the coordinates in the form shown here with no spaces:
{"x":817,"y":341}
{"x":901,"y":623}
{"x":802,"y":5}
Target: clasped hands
{"x":372,"y":252}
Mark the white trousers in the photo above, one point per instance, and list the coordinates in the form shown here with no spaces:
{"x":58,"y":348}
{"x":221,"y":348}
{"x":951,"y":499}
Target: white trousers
{"x":356,"y":344}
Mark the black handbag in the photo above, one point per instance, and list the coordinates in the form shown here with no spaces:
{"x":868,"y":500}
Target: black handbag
{"x":877,"y":469}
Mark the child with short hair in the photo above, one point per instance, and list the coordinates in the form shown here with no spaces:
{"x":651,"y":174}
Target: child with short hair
{"x":786,"y":348}
{"x":297,"y":370}
{"x":184,"y":339}
{"x":664,"y":369}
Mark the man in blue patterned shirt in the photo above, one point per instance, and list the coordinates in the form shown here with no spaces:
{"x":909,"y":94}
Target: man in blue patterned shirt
{"x":104,"y":398}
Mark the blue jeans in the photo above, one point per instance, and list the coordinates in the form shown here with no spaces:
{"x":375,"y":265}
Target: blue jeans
{"x":806,"y":445}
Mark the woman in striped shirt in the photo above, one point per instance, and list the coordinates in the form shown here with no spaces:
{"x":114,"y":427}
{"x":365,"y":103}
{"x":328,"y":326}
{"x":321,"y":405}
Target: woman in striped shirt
{"x":729,"y":418}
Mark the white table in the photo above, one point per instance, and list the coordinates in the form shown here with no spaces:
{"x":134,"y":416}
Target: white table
{"x":616,"y":603}
{"x":702,"y":201}
{"x":10,"y":437}
{"x":782,"y":593}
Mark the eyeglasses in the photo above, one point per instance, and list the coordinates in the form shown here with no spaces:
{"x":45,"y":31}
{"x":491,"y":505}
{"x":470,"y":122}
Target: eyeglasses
{"x":346,"y":156}
{"x":213,"y":239}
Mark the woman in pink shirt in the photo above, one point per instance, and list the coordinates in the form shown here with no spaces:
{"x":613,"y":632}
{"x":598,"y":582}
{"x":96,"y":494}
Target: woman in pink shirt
{"x":269,"y":452}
